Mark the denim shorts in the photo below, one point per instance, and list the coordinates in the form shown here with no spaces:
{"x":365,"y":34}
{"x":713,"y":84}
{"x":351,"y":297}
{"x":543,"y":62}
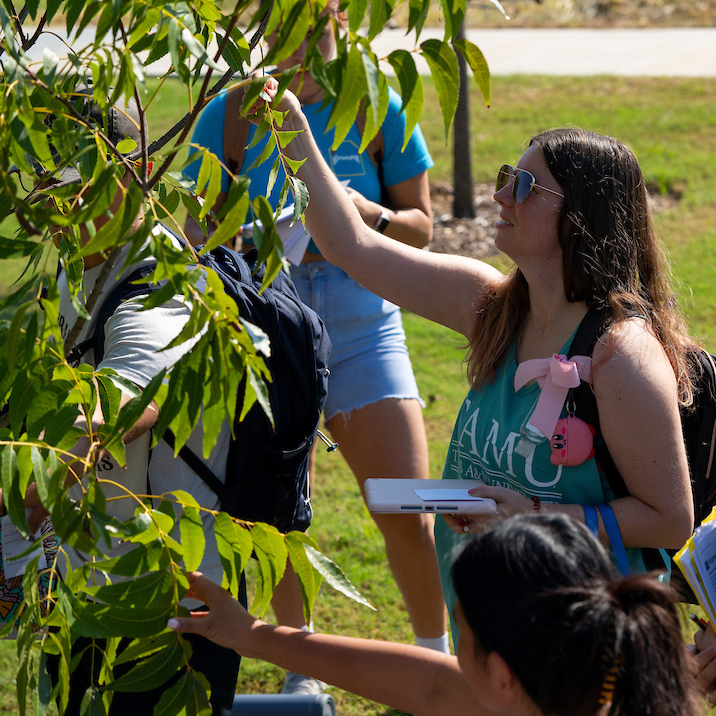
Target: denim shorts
{"x":369,"y":360}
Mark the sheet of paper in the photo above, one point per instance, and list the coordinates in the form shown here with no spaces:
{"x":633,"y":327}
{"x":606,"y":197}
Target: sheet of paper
{"x":295,"y":238}
{"x":14,"y":544}
{"x":686,"y":563}
{"x":447,"y":495}
{"x":704,"y":555}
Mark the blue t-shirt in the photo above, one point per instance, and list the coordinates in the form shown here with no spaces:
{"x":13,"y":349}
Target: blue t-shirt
{"x":347,"y":164}
{"x":483,"y":446}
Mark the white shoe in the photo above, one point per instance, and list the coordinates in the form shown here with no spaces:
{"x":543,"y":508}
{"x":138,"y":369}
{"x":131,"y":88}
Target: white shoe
{"x":300,"y":685}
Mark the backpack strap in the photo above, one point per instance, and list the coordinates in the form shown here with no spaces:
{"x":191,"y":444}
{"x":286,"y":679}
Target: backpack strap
{"x":195,"y":463}
{"x":124,"y":291}
{"x":585,"y":407}
{"x":236,"y":130}
{"x":699,"y":426}
{"x":590,"y":330}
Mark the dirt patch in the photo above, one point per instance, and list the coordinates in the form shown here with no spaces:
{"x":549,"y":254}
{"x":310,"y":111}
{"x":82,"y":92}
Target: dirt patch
{"x":464,"y":237}
{"x":476,"y":237}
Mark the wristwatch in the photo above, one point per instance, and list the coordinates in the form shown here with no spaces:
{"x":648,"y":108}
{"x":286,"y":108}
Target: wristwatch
{"x":382,"y":222}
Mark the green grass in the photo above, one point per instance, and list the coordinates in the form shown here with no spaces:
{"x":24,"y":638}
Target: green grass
{"x":670,"y":124}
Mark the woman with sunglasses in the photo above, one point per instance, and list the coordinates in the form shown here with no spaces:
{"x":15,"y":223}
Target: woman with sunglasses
{"x":575,"y":220}
{"x":548,"y":629}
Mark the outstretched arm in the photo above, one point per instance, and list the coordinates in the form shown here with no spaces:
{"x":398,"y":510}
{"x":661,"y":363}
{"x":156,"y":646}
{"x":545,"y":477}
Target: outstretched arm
{"x":409,"y":678}
{"x":442,"y":288}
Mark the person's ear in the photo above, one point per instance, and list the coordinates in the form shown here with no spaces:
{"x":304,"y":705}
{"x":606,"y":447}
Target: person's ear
{"x":506,"y":688}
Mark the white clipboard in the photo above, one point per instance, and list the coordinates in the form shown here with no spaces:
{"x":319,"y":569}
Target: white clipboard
{"x":387,"y":495}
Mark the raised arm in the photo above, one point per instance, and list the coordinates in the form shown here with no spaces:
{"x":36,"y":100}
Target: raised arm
{"x":442,"y":288}
{"x":408,"y":678}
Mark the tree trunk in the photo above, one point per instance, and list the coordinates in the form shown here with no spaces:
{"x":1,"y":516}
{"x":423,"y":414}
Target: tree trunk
{"x":463,"y":198}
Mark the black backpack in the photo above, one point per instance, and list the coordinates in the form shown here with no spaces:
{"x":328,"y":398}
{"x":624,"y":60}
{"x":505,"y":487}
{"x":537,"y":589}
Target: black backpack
{"x":698,"y":423}
{"x":267,"y":468}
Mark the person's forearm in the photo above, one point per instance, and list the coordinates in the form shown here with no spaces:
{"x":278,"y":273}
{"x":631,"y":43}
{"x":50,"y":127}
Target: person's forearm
{"x":410,"y":226}
{"x":405,"y":677}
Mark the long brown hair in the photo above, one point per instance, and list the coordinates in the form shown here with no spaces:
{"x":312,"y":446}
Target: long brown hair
{"x":611,"y":258}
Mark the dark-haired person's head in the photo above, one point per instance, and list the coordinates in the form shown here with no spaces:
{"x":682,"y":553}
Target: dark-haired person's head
{"x":540,"y":591}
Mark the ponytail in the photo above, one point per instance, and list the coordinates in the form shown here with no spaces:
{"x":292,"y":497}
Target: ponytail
{"x":541,"y":592}
{"x":652,"y":663}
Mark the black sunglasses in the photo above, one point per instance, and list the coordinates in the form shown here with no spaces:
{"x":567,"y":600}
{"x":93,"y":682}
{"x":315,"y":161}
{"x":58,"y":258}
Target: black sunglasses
{"x":523,"y":184}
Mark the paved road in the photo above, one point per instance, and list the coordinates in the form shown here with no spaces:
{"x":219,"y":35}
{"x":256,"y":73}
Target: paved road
{"x":682,"y":52}
{"x":679,"y":52}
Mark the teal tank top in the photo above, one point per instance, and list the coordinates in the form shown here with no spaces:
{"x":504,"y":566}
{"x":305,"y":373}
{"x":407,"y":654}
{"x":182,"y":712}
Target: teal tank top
{"x":482,"y":447}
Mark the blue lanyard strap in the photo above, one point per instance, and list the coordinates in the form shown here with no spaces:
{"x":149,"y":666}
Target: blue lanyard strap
{"x":615,"y":538}
{"x":591,"y":519}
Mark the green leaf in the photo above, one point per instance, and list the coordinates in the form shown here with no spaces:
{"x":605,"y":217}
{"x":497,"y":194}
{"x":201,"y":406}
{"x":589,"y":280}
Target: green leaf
{"x":135,"y":562}
{"x":356,"y":13}
{"x":300,"y":198}
{"x":14,"y":335}
{"x":187,"y":696}
{"x":192,"y":537}
{"x":374,"y":119}
{"x":109,"y":397}
{"x":294,"y":164}
{"x":17,"y":247}
{"x":370,"y":65}
{"x":446,"y":77}
{"x":271,"y":554}
{"x":353,"y":87}
{"x":405,"y":70}
{"x":335,"y":577}
{"x":380,"y":11}
{"x":235,"y":547}
{"x":230,"y":224}
{"x":174,"y":39}
{"x":417,"y":14}
{"x":152,"y":672}
{"x":152,"y":588}
{"x":197,"y":50}
{"x":109,"y":236}
{"x":100,"y":620}
{"x":454,"y":12}
{"x":308,"y":578}
{"x":92,"y":704}
{"x":272,"y":175}
{"x":293,"y":31}
{"x":478,"y":64}
{"x":13,"y":489}
{"x":142,"y":648}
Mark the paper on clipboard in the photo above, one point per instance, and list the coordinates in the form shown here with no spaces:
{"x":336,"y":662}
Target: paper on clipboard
{"x":13,"y":545}
{"x":697,"y":561}
{"x":447,"y":495}
{"x":295,"y":238}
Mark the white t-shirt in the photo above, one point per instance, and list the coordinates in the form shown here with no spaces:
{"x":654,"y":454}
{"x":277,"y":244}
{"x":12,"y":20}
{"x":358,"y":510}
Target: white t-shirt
{"x":132,"y":341}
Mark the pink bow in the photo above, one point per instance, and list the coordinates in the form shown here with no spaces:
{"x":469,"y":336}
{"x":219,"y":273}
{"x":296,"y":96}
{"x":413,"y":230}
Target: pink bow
{"x":555,"y":376}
